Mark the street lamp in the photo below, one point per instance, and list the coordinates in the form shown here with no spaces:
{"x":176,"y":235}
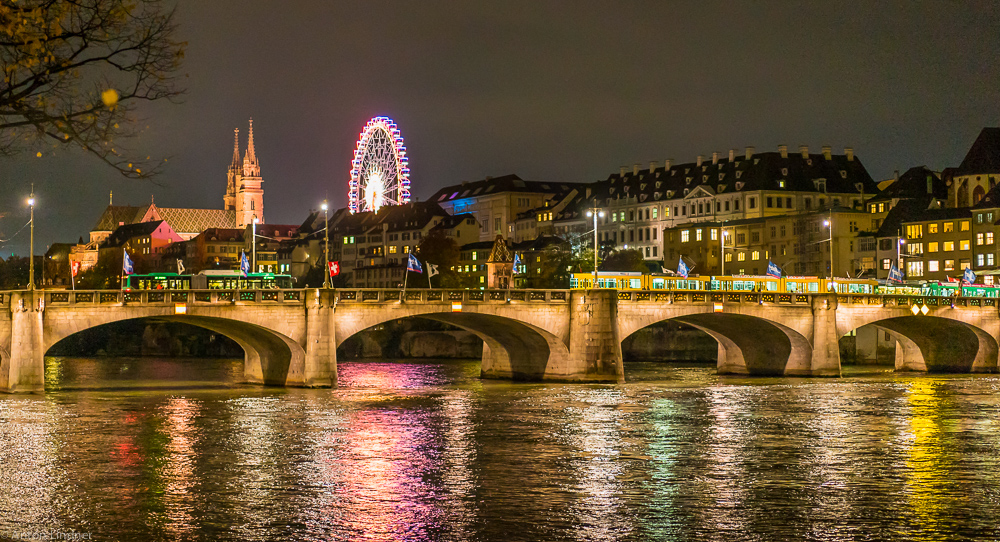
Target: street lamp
{"x":255,"y":219}
{"x":326,"y":241}
{"x":596,"y":213}
{"x":829,"y":223}
{"x":31,"y":248}
{"x":722,"y":251}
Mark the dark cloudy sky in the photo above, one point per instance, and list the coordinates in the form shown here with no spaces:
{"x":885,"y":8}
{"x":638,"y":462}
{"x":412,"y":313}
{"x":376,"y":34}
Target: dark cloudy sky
{"x":564,"y":91}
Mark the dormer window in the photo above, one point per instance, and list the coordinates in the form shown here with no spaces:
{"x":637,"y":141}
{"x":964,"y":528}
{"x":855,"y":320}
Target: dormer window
{"x":739,"y":174}
{"x":756,"y":161}
{"x":843,"y":174}
{"x":809,"y":162}
{"x":722,"y":176}
{"x":658,"y":183}
{"x":642,"y":186}
{"x":670,"y":193}
{"x":704,"y":178}
{"x":721,"y":188}
{"x":739,"y":186}
{"x":784,"y":172}
{"x":686,"y":190}
{"x":687,"y":180}
{"x":781,"y":183}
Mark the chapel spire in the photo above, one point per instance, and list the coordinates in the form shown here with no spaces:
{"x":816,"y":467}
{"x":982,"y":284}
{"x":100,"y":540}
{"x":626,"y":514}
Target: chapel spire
{"x":235,"y":166}
{"x":250,"y":166}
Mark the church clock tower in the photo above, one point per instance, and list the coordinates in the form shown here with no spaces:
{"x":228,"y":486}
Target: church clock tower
{"x":245,"y":194}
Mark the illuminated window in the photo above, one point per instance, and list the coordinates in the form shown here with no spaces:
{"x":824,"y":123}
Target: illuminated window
{"x":742,"y":256}
{"x":989,"y":238}
{"x":475,"y":256}
{"x":915,"y":231}
{"x":949,"y":246}
{"x":406,"y":249}
{"x":392,"y":249}
{"x":932,"y":266}
{"x":729,"y":257}
{"x":964,"y":225}
{"x":932,"y":228}
{"x":713,"y":234}
{"x":963,"y":244}
{"x":654,"y":212}
{"x":915,"y":269}
{"x":949,"y":227}
{"x":932,"y":247}
{"x":755,"y":255}
{"x":949,"y":265}
{"x":697,"y":234}
{"x":979,"y":238}
{"x":685,"y":236}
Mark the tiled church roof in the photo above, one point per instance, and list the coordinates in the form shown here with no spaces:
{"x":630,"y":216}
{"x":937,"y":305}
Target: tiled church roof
{"x":197,"y":220}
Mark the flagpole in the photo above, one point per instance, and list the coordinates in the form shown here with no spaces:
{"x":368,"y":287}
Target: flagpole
{"x":429,"y":287}
{"x":121,"y":275}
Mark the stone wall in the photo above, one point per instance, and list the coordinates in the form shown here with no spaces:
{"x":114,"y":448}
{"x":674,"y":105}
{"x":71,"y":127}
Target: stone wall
{"x":670,"y":341}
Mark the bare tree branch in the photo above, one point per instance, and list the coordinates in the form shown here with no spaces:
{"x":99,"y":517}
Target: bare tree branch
{"x":73,"y":71}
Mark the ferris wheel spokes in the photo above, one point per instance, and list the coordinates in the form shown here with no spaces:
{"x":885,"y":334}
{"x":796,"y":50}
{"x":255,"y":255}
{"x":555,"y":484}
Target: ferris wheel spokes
{"x":379,"y":170}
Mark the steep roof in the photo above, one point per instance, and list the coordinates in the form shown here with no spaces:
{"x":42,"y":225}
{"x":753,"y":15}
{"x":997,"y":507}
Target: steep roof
{"x":913,"y":184}
{"x":893,"y":223}
{"x":761,"y":171}
{"x":984,"y":155}
{"x":123,"y":234}
{"x":222,"y":234}
{"x":196,"y":220}
{"x":496,"y":185}
{"x":118,"y":215}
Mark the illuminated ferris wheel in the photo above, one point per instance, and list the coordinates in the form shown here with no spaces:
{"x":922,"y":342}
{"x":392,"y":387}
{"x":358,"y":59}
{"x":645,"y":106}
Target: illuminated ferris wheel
{"x":379,"y":172}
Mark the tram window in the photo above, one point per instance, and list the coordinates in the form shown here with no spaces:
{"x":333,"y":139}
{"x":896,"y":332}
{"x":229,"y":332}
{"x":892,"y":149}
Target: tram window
{"x":792,"y":287}
{"x":814,"y":287}
{"x":772,"y":286}
{"x":634,"y":284}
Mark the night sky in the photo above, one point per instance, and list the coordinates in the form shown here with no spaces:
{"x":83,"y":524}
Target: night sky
{"x":564,"y":91}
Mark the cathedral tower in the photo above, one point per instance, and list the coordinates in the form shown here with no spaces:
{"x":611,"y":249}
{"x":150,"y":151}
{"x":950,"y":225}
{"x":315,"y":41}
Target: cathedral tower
{"x":249,"y":192}
{"x":235,"y":170}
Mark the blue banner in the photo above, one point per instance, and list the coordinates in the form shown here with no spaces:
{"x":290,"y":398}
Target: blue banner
{"x":517,"y":263}
{"x":127,"y":266}
{"x":894,"y":274}
{"x":682,"y":268}
{"x":773,"y":270}
{"x":968,"y":277}
{"x":413,"y":264}
{"x":244,"y":264}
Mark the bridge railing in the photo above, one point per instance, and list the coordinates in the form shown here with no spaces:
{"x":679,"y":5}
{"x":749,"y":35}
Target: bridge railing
{"x":55,"y":298}
{"x":376,"y":295}
{"x":780,"y":298}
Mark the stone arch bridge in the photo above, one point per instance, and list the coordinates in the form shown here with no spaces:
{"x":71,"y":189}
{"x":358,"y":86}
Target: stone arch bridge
{"x":290,"y":337}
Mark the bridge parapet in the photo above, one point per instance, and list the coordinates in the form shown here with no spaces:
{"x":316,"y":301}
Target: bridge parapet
{"x":61,"y":298}
{"x":366,"y":295}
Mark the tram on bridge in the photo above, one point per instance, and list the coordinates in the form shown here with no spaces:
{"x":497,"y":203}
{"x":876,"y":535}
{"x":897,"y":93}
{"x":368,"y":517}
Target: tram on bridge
{"x":207,"y":280}
{"x":624,"y":280}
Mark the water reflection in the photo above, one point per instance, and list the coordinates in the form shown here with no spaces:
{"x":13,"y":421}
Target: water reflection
{"x":426,"y":451}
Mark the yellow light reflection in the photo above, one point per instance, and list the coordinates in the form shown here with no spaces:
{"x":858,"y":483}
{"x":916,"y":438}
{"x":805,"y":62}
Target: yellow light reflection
{"x":927,"y":465}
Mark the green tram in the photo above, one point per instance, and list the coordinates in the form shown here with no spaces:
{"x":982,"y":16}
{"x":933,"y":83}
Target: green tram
{"x":207,"y":280}
{"x":949,"y":289}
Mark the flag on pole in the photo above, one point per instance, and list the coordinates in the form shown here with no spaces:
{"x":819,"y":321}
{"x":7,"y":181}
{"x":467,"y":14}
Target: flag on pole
{"x":894,"y":274}
{"x":334,"y":268}
{"x":682,"y":268}
{"x":244,"y":264}
{"x":127,"y":266}
{"x":773,"y":270}
{"x":517,"y":263}
{"x":969,"y":277}
{"x":432,"y":269}
{"x":180,"y":266}
{"x":76,"y":267}
{"x":413,"y":264}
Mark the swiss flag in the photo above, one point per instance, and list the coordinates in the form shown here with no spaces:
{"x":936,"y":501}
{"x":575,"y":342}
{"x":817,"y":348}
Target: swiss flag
{"x":334,"y":268}
{"x":75,"y":266}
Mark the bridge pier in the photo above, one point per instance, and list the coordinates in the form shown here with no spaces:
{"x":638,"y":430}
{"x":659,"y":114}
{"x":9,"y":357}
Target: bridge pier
{"x":825,"y":338}
{"x":22,"y":367}
{"x":319,"y":367}
{"x":595,"y":347}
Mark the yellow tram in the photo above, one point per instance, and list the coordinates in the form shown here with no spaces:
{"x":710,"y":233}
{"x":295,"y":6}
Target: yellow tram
{"x":623,"y":280}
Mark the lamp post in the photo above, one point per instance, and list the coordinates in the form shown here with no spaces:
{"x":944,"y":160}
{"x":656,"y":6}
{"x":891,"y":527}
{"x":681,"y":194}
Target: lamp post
{"x":722,"y":251}
{"x":31,"y":243}
{"x":829,"y":223}
{"x":254,"y":234}
{"x":326,"y":242}
{"x":595,"y":212}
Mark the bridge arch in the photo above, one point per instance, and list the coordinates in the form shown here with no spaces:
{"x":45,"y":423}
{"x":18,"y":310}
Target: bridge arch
{"x":748,"y":343}
{"x":945,"y":340}
{"x":518,"y":344}
{"x":270,"y":357}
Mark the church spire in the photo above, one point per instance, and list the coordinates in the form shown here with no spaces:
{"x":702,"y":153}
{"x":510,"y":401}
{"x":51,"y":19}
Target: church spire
{"x":235,"y":166}
{"x":250,"y":166}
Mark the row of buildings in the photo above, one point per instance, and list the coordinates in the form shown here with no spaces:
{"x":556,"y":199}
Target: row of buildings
{"x":728,"y":213}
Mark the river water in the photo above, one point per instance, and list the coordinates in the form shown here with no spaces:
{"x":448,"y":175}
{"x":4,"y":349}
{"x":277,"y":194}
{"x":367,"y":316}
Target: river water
{"x":161,"y":449}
